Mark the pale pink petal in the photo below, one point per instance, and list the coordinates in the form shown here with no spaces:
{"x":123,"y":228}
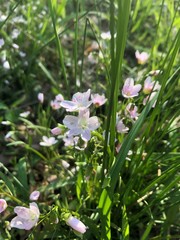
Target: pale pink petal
{"x":34,"y":208}
{"x":69,"y":105}
{"x":22,"y":212}
{"x":93,"y":123}
{"x":136,"y":89}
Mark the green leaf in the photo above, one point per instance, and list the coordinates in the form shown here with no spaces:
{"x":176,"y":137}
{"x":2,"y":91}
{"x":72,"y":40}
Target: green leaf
{"x":125,"y":224}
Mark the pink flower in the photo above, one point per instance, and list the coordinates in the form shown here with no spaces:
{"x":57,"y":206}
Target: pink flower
{"x":141,"y":57}
{"x":150,"y":85}
{"x":47,"y":142}
{"x":80,"y":101}
{"x":41,"y":97}
{"x":34,"y":195}
{"x":129,"y":89}
{"x":132,"y":111}
{"x":98,"y":100}
{"x":55,"y":104}
{"x":26,"y":217}
{"x":56,"y":131}
{"x":121,"y":128}
{"x":81,"y":125}
{"x":76,"y":224}
{"x":59,"y":98}
{"x":3,"y":205}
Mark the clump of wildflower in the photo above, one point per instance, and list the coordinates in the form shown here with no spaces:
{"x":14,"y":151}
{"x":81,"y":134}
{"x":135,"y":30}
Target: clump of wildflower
{"x":47,"y":142}
{"x":26,"y":218}
{"x":142,"y":57}
{"x":129,"y":89}
{"x":82,"y":125}
{"x":3,"y":205}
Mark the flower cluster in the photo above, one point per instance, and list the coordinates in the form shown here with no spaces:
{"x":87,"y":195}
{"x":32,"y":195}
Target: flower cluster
{"x":131,"y":90}
{"x":82,"y":124}
{"x":28,"y":217}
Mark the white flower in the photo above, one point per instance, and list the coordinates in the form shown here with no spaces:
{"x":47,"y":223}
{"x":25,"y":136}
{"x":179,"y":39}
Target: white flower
{"x":80,"y":101}
{"x":47,"y":142}
{"x":24,"y":114}
{"x":81,"y":125}
{"x":76,"y":224}
{"x":41,"y":97}
{"x":6,"y":65}
{"x":1,"y":42}
{"x":26,"y":217}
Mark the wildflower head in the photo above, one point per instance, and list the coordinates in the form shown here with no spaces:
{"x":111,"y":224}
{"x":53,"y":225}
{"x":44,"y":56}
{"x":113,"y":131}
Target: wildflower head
{"x":80,"y":101}
{"x":98,"y":100}
{"x":47,"y":142}
{"x":26,"y":218}
{"x":142,"y":57}
{"x":34,"y":195}
{"x":129,"y":89}
{"x":81,"y":125}
{"x":150,"y":85}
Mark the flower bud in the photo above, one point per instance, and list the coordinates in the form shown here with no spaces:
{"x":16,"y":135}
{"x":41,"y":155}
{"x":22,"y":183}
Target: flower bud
{"x":3,"y":205}
{"x":76,"y":224}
